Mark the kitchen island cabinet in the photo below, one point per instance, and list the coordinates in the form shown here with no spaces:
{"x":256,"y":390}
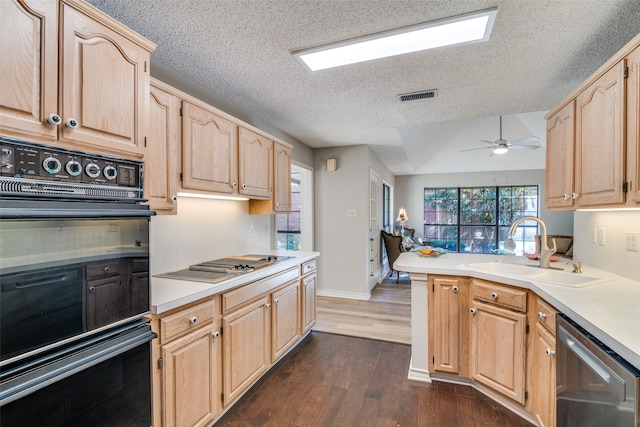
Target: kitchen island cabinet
{"x":87,"y":80}
{"x":219,"y":339}
{"x":606,"y":309}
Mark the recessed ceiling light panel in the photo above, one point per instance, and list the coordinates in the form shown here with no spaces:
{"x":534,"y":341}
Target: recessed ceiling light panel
{"x":458,"y":30}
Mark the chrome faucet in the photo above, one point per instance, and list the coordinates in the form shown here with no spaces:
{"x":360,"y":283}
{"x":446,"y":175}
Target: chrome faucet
{"x":545,"y":250}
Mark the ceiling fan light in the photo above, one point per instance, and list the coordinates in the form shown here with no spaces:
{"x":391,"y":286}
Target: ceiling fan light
{"x":500,"y":150}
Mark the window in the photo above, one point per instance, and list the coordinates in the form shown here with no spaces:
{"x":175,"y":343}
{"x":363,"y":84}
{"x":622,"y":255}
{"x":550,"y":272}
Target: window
{"x":386,"y":207}
{"x":288,"y":225}
{"x":477,"y":219}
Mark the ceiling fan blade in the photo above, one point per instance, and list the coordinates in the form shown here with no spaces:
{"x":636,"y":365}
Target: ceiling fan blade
{"x":487,"y":141}
{"x":524,"y":147}
{"x":525,"y":140}
{"x":474,"y":149}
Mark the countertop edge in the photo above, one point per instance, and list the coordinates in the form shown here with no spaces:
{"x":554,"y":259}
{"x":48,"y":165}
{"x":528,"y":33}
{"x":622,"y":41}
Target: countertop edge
{"x":169,"y":294}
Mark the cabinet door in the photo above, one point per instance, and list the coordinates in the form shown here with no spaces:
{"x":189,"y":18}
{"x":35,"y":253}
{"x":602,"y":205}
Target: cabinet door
{"x":600,"y":144}
{"x":139,"y":293}
{"x":308,"y":302}
{"x":560,"y":160}
{"x":107,"y":300}
{"x":633,"y":127}
{"x":209,"y":151}
{"x":282,"y":178}
{"x":246,"y":354}
{"x":105,"y":87}
{"x":285,"y":318}
{"x":543,"y":377}
{"x":446,"y":327}
{"x":498,"y":349}
{"x":29,"y":68}
{"x":162,"y":151}
{"x":255,"y":164}
{"x":191,"y":392}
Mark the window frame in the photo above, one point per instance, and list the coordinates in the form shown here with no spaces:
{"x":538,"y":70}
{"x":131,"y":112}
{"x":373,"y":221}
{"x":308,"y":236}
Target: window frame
{"x":490,"y":240}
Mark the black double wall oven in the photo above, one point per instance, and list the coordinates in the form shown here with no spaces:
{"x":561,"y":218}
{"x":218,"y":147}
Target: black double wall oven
{"x":75,"y":344}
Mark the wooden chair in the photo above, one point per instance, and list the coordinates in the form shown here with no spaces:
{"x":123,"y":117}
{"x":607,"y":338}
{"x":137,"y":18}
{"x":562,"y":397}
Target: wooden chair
{"x":393,"y":245}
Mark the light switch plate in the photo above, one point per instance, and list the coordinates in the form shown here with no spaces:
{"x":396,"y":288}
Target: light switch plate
{"x":632,"y":238}
{"x":594,"y":235}
{"x":352,"y":213}
{"x":601,"y":236}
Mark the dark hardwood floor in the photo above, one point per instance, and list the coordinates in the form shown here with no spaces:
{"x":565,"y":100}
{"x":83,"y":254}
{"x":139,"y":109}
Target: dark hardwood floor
{"x":334,"y":380}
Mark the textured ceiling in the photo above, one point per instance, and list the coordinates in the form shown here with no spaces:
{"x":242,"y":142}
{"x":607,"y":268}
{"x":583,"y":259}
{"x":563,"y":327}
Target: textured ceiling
{"x":239,"y":51}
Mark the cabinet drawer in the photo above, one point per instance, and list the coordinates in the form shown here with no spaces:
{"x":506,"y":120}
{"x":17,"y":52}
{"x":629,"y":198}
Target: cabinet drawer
{"x":104,"y":269}
{"x":184,"y":321}
{"x":546,"y":315}
{"x":307,"y":267}
{"x":237,"y":297}
{"x":139,"y":265}
{"x":512,"y":298}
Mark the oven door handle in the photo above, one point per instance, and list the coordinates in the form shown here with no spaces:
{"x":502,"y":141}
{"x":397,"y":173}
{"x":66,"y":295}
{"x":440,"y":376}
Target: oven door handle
{"x":47,"y":374}
{"x":614,"y":381}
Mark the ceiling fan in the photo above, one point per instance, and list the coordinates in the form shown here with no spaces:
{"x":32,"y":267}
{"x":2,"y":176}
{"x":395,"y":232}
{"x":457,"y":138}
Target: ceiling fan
{"x":501,"y":146}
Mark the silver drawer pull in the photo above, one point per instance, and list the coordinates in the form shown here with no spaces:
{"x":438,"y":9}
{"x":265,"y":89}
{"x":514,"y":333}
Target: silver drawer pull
{"x":216,"y":334}
{"x":541,"y":315}
{"x":193,"y":320}
{"x":549,"y":352}
{"x":472,"y":310}
{"x":494,"y":295}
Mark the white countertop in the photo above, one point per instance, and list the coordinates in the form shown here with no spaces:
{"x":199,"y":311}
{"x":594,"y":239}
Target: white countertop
{"x":610,"y":311}
{"x":167,"y":294}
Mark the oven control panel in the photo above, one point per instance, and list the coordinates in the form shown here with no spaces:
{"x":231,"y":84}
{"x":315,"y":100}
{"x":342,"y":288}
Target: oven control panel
{"x":33,"y":169}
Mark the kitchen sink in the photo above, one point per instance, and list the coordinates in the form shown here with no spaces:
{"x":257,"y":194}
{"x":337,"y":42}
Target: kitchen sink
{"x":534,"y":273}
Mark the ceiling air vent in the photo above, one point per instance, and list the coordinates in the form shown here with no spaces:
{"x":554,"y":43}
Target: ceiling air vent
{"x":431,"y":93}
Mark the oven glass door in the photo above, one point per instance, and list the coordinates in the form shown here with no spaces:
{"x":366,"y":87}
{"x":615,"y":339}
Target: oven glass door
{"x":103,"y":382}
{"x":63,"y":278}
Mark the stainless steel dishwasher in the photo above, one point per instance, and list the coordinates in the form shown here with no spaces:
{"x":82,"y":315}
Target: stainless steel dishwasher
{"x":595,"y":386}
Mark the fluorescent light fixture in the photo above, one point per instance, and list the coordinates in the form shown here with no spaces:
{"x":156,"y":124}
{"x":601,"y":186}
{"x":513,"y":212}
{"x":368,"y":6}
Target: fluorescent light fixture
{"x":210,"y":196}
{"x":457,"y":30}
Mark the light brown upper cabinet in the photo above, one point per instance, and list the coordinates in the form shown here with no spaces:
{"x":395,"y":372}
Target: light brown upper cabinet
{"x":281,"y":201}
{"x":74,"y":76}
{"x":255,"y":158}
{"x":600,"y":140}
{"x":560,"y":172}
{"x":209,"y":151}
{"x":162,"y":149}
{"x":633,"y":127}
{"x":603,"y":137}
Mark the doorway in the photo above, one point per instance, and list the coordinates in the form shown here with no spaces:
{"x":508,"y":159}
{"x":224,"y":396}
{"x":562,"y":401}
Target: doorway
{"x":294,"y":231}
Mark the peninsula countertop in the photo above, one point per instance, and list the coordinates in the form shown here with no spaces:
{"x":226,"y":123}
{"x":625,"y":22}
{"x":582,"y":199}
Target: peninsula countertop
{"x":167,"y":294}
{"x":610,"y":310}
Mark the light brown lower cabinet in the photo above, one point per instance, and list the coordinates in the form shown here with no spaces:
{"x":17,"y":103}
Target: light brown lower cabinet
{"x":308,"y":297}
{"x":247,"y":351}
{"x":500,"y":337}
{"x":285,"y":317}
{"x":543,"y":377}
{"x":189,"y":366}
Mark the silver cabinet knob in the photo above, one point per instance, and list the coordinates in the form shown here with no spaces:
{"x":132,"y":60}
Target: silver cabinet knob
{"x":92,"y":289}
{"x":549,"y":352}
{"x":277,"y":300}
{"x":541,"y":315}
{"x":215,"y":334}
{"x":193,"y":320}
{"x":565,"y":196}
{"x":106,"y":269}
{"x":494,"y":295}
{"x":244,"y":185}
{"x":54,"y":119}
{"x":455,"y":289}
{"x":71,"y":123}
{"x":574,"y":195}
{"x":268,"y":305}
{"x":472,"y":310}
{"x":234,"y":184}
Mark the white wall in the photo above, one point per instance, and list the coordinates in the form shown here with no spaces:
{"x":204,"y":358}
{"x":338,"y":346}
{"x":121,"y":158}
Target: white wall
{"x":613,"y":256}
{"x":409,"y":192}
{"x":343,"y":241}
{"x":203,"y":230}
